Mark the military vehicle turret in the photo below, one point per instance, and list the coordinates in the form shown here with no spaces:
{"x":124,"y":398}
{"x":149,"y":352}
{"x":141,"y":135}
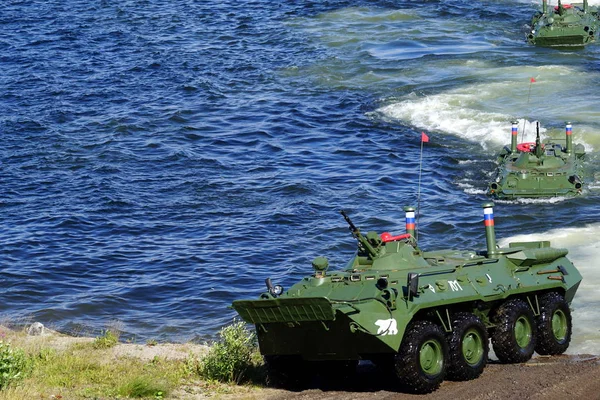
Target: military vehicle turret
{"x":535,"y":169}
{"x":425,"y":316}
{"x":564,"y":25}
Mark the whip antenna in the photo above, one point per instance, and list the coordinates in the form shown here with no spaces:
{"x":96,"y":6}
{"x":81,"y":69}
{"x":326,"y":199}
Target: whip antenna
{"x":424,"y":139}
{"x":531,"y":81}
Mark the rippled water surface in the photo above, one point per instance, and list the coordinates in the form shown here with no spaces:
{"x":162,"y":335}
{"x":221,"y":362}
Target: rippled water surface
{"x":160,"y":160}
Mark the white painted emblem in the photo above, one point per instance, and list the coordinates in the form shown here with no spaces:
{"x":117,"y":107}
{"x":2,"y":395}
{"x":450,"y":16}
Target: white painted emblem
{"x":455,"y":286}
{"x":387,"y":326}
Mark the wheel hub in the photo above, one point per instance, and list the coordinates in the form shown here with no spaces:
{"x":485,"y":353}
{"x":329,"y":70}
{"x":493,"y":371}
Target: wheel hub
{"x":559,"y":325}
{"x":472,"y":347}
{"x":431,"y":357}
{"x":523,"y":332}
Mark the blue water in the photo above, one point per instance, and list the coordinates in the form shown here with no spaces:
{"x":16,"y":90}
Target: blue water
{"x":160,"y":160}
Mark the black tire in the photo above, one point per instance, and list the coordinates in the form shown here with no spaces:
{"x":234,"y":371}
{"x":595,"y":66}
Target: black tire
{"x":553,"y":324}
{"x":513,"y":339}
{"x":469,"y":347}
{"x":420,"y":365}
{"x":288,"y":372}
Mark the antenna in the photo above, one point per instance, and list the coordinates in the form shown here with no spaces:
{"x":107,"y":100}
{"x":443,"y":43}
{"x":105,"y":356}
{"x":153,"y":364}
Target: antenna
{"x":531,"y":81}
{"x":424,"y":139}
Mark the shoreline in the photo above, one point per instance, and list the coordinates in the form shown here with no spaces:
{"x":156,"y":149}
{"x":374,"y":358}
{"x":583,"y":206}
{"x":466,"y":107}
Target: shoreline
{"x":543,"y":377}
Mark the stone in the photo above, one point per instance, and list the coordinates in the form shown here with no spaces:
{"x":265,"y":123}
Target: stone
{"x":36,"y":329}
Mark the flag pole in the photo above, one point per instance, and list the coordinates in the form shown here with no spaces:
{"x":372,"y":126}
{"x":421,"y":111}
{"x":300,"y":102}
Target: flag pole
{"x":424,"y":138}
{"x":531,"y":81}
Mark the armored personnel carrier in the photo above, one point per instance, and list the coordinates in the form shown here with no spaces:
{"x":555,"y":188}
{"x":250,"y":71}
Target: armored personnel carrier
{"x":424,"y":316}
{"x":564,"y":25}
{"x":535,"y":169}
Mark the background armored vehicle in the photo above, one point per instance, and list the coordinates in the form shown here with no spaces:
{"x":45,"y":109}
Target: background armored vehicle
{"x":535,"y":169}
{"x":423,"y":315}
{"x":564,"y":25}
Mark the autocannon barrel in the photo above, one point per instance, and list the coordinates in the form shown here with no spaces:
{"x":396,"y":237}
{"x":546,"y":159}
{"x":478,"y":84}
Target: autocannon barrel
{"x":359,"y":236}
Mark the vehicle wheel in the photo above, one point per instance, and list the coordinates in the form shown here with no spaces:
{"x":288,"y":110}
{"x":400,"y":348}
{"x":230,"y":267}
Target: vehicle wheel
{"x":469,"y":347}
{"x":420,"y":365}
{"x":289,"y":372}
{"x":514,"y":336}
{"x":553,"y":324}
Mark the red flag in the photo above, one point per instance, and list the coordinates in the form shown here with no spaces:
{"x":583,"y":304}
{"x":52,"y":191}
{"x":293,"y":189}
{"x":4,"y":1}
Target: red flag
{"x":532,"y":80}
{"x":424,"y":137}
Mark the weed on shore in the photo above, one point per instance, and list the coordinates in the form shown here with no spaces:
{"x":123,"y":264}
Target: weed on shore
{"x":89,"y":369}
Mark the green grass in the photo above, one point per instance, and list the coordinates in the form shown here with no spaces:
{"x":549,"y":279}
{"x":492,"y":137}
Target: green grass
{"x":13,"y":364}
{"x":107,"y":340}
{"x":91,"y":370}
{"x":89,"y":374}
{"x":88,"y":371}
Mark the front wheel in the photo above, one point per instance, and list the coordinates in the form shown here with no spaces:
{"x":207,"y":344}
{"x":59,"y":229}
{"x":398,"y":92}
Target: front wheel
{"x":420,"y":365}
{"x":514,"y":336}
{"x":554,"y":325}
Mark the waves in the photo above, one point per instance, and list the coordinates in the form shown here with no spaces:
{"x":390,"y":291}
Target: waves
{"x":160,"y":161}
{"x":483,"y":112}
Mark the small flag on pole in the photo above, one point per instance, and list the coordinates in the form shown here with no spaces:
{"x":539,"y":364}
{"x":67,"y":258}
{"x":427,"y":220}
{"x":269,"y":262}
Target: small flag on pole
{"x":531,"y":80}
{"x":424,"y":137}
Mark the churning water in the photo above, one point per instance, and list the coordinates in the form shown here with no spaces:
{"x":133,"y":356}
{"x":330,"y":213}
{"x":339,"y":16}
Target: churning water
{"x":160,"y":160}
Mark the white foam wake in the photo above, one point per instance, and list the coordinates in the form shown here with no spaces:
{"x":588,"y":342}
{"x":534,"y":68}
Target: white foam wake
{"x":483,"y":112}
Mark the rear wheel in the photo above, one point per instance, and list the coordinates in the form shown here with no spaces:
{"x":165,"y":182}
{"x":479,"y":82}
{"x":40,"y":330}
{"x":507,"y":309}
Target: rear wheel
{"x":553,"y":324}
{"x":469,"y":347}
{"x":514,"y":336}
{"x":420,"y":365}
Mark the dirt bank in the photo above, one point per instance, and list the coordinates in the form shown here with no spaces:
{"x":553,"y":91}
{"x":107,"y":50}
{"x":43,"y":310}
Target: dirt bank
{"x":547,"y":378}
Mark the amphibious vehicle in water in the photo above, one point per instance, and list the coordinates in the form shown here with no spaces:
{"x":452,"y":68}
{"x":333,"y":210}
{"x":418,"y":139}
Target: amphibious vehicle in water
{"x":564,"y":25}
{"x":424,"y":316}
{"x":535,"y":169}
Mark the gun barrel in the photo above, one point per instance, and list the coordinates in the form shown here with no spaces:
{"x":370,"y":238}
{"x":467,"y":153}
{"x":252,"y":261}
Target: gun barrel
{"x":353,"y":228}
{"x":356,"y":233}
